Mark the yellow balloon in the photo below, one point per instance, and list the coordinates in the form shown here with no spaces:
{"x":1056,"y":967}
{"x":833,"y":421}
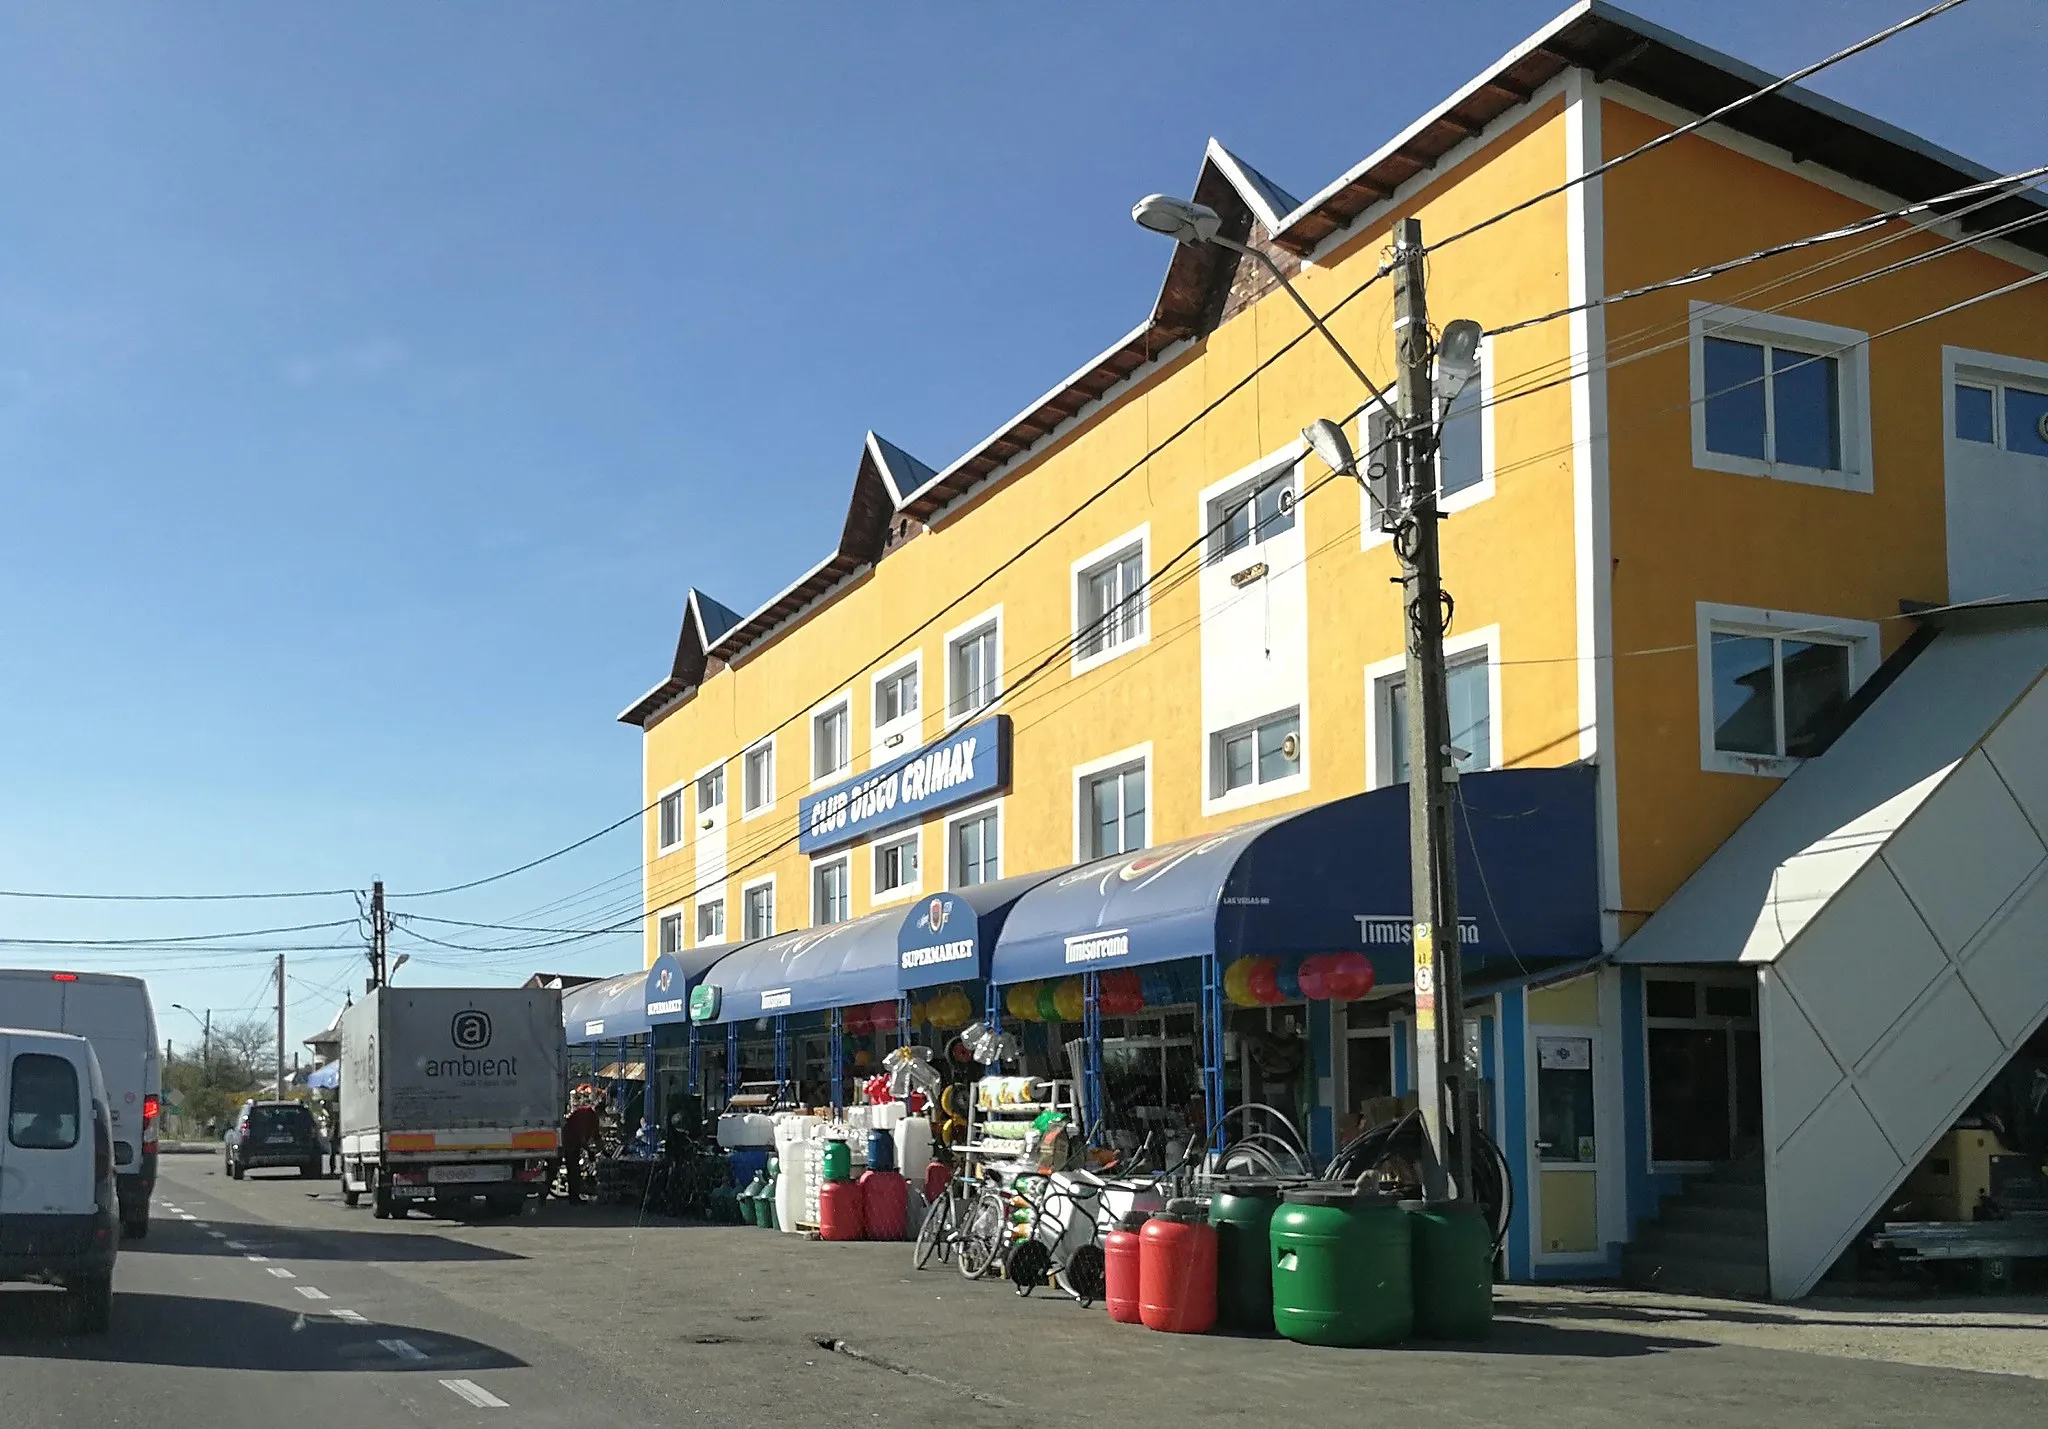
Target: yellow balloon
{"x":1237,"y":983}
{"x":1071,"y":999}
{"x":1022,"y":1000}
{"x":953,"y":1008}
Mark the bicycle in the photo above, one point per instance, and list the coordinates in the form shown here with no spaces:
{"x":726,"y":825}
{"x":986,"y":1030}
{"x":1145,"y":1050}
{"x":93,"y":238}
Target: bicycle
{"x":939,"y":1234}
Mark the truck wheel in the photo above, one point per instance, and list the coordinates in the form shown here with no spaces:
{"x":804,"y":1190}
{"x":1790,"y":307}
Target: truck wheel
{"x":135,"y":1227}
{"x":309,"y":1170}
{"x":94,"y":1296}
{"x":380,"y":1200}
{"x":235,"y":1169}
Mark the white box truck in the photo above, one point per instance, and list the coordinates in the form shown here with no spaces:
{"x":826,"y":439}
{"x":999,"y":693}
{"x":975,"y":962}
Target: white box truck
{"x":450,"y":1094}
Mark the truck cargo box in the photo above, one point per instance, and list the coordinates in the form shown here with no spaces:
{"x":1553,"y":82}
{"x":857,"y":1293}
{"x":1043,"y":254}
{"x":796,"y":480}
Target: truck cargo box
{"x":445,"y":1058}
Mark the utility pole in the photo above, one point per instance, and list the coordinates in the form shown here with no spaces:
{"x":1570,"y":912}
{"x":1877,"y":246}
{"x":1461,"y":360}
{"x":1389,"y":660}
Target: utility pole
{"x":1443,"y":1091}
{"x":280,"y":1026}
{"x":377,"y":934}
{"x":206,"y":1041}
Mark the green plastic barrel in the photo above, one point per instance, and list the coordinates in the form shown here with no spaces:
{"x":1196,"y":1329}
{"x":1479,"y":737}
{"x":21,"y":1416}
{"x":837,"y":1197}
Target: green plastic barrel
{"x":1342,"y":1268}
{"x":764,"y":1209}
{"x":1243,"y":1216}
{"x":1453,"y":1270}
{"x":838,"y":1161}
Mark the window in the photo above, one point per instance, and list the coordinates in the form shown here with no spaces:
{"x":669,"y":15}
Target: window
{"x":1775,"y":396}
{"x":1564,"y":1099}
{"x":757,"y":910}
{"x":670,"y":927}
{"x":1461,"y":446}
{"x":1113,"y":811}
{"x":1773,"y":685}
{"x":829,"y":893}
{"x":1775,"y":695}
{"x":1262,"y":753}
{"x":831,"y":741}
{"x":1461,"y":455}
{"x":974,"y":666}
{"x":896,"y":696}
{"x":711,"y":791}
{"x":1109,"y":602}
{"x":1468,"y":684}
{"x":759,"y":792}
{"x":711,"y":921}
{"x":2014,"y":418}
{"x":669,"y":809}
{"x":896,"y":865}
{"x":42,"y":1103}
{"x":976,"y":849}
{"x":1253,"y":513}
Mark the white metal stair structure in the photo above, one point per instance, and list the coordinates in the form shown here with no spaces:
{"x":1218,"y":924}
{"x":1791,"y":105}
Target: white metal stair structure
{"x":1893,"y":895}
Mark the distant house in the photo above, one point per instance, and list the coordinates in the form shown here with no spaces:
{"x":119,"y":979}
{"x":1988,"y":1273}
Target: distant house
{"x":561,"y":981}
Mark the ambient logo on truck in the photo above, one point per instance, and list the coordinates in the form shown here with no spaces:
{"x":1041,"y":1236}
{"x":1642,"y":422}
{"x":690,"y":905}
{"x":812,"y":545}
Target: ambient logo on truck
{"x":470,"y":1031}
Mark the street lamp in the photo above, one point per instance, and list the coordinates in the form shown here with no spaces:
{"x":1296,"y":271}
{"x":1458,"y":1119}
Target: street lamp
{"x":205,"y":1030}
{"x":396,"y":963}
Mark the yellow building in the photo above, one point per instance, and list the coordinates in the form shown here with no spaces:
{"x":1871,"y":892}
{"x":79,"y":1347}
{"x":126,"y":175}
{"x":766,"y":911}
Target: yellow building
{"x":1680,"y":529}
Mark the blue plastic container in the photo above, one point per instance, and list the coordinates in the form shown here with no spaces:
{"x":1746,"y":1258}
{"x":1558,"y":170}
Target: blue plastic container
{"x":881,"y":1151}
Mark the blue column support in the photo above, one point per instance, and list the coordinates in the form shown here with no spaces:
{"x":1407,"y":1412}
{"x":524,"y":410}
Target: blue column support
{"x":694,"y":1089}
{"x":781,"y":1051}
{"x":732,"y":1060}
{"x":1212,"y":1047}
{"x":835,"y":1054}
{"x":992,"y":1009}
{"x":1092,"y":1108}
{"x":902,"y":1019}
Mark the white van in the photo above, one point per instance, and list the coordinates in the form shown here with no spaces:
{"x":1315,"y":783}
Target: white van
{"x":59,"y":1217}
{"x":112,"y":1012}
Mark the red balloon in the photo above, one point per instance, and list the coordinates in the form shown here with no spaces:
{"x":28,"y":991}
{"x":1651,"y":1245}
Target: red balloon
{"x":882,"y":1017}
{"x":854,"y":1022}
{"x":1264,"y":982}
{"x":1350,"y":977}
{"x":1121,"y":1003}
{"x":1315,"y":977}
{"x":1125,"y":984}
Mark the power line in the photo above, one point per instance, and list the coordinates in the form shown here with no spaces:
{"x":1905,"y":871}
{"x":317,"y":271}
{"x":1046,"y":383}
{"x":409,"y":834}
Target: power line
{"x":173,"y":897}
{"x":1700,"y":123}
{"x":170,"y":941}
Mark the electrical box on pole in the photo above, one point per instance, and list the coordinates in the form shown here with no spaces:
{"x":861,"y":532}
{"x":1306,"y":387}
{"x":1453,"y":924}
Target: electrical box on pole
{"x":1442,"y":1089}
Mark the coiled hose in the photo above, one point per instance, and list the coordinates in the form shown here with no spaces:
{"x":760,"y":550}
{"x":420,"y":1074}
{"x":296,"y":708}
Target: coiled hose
{"x":1493,"y":1187}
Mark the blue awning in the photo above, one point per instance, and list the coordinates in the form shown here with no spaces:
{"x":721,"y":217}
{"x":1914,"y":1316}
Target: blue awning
{"x":948,"y":937}
{"x":839,"y":965}
{"x":604,"y":1011}
{"x":670,"y":977}
{"x":1329,"y":879}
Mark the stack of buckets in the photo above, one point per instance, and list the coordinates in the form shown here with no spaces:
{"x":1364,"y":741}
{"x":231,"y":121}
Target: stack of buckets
{"x":1324,"y":1265}
{"x":757,"y":1201}
{"x":877,"y":1206}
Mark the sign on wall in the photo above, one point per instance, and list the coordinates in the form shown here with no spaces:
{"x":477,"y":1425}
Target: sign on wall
{"x":939,"y":943}
{"x":967,"y":764}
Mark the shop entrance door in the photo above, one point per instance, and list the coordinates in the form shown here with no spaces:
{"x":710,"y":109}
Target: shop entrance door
{"x":1705,"y":1068}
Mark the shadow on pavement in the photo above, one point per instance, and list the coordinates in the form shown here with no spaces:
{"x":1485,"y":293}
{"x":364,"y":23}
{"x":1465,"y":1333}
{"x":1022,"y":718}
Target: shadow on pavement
{"x":193,"y":1332}
{"x":312,"y":1242}
{"x":1723,"y":1314}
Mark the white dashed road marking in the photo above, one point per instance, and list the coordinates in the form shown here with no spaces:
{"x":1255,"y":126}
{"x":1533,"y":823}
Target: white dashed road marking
{"x":402,"y":1349}
{"x":475,"y":1393}
{"x":351,"y":1317}
{"x":238,"y":1245}
{"x":218,"y":1235}
{"x":257,"y":1259}
{"x":281,"y":1273}
{"x":310,"y":1293}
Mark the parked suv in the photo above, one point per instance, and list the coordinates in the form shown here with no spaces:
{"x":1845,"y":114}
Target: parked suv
{"x":273,"y":1134}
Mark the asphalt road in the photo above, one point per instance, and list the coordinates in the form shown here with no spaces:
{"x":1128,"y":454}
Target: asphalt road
{"x":267,"y":1303}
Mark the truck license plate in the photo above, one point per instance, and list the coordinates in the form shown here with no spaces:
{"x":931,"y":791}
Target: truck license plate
{"x":441,"y":1175}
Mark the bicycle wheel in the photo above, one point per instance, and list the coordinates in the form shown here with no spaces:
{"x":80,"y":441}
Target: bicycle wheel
{"x":984,"y":1235}
{"x":936,"y":1235}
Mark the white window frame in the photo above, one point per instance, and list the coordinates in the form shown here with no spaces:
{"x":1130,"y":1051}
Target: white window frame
{"x":1096,"y":560}
{"x":1216,"y":499}
{"x":1861,"y":636}
{"x":843,"y":861}
{"x":907,"y":730}
{"x":1380,"y":674}
{"x":1996,"y":371}
{"x":1369,"y":534}
{"x":774,"y":907}
{"x":879,"y":896}
{"x":978,"y":811}
{"x":1851,"y":351}
{"x":705,"y":817}
{"x":676,"y":791}
{"x":841,"y":701}
{"x":1139,"y":754}
{"x":992,"y":616}
{"x":697,"y":925}
{"x":773,"y":759}
{"x":677,"y":913}
{"x":1214,"y":802}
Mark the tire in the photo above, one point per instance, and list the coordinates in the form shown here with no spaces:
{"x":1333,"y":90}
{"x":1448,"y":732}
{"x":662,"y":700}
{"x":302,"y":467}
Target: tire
{"x":94,"y":1297}
{"x":350,"y":1198}
{"x":309,"y":1170}
{"x":981,"y":1238}
{"x":235,"y":1169}
{"x":135,"y":1227}
{"x":935,"y":1235}
{"x":380,"y":1200}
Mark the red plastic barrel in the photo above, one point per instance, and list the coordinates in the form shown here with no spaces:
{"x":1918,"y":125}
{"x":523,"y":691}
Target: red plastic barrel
{"x":1120,"y":1254}
{"x":885,"y":1204}
{"x":937,"y":1176}
{"x":839,"y":1210}
{"x":1177,"y":1272}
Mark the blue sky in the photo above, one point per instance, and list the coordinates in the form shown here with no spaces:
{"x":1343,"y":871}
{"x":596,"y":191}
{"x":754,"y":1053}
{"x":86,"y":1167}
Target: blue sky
{"x":374,"y":379}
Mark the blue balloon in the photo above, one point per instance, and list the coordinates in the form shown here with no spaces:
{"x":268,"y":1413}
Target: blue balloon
{"x":1288,"y":975}
{"x":1156,"y":984}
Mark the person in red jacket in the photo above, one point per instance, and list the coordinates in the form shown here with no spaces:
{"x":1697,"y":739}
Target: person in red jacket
{"x":579,"y":1137}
